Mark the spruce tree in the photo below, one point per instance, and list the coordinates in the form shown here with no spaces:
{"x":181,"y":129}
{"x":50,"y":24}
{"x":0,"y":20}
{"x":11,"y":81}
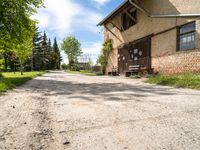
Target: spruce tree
{"x":49,"y":45}
{"x":58,"y":55}
{"x":51,"y":56}
{"x":37,"y":51}
{"x":45,"y":53}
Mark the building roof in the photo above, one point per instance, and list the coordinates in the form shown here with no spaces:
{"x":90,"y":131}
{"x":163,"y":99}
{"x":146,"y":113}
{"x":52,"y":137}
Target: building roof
{"x":114,"y":12}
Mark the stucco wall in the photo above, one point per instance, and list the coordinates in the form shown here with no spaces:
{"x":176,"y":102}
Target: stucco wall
{"x":164,"y":43}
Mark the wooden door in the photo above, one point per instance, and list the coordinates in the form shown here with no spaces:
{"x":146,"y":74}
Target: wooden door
{"x":137,"y":53}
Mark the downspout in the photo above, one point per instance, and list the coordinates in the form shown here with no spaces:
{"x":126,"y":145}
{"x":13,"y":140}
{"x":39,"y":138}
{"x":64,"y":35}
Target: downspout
{"x":161,"y":15}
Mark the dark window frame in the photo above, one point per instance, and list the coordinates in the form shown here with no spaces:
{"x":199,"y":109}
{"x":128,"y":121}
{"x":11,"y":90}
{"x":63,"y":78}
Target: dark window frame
{"x":179,"y":34}
{"x":124,"y":16}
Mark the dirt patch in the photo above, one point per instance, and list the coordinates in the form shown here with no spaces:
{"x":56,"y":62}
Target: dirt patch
{"x":43,"y":132}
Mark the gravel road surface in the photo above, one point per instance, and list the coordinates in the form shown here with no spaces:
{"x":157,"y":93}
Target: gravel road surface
{"x":60,"y":111}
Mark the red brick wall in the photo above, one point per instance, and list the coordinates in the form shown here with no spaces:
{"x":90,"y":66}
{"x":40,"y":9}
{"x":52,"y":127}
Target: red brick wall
{"x":181,"y":62}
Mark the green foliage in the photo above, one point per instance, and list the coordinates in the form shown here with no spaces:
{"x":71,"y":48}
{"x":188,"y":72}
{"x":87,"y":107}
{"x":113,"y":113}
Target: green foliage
{"x":24,"y":49}
{"x":37,"y":50}
{"x":15,"y":17}
{"x":181,"y":80}
{"x":45,"y":56}
{"x":45,"y":53}
{"x":105,"y":52}
{"x":16,"y":34}
{"x":75,"y":67}
{"x":11,"y":80}
{"x":64,"y":66}
{"x":57,"y":55}
{"x":72,"y":47}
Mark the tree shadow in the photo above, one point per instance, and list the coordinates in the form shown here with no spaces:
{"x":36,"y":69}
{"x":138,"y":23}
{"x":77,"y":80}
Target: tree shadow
{"x":94,"y":91}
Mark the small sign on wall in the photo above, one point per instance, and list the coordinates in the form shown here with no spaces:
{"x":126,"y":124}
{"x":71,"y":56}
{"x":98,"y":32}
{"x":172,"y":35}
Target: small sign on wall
{"x":135,"y":51}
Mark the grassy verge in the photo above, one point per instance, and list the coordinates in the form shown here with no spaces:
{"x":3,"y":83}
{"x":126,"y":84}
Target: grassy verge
{"x":11,"y":80}
{"x":88,"y":73}
{"x":180,"y":81}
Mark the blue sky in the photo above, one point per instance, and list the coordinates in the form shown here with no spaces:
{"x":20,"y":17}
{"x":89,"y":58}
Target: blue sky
{"x":61,"y":18}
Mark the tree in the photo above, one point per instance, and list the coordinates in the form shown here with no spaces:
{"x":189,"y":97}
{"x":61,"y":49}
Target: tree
{"x":15,"y":17}
{"x":72,"y":48}
{"x":105,"y":52}
{"x":23,"y":51}
{"x":9,"y":60}
{"x":6,"y":46}
{"x":57,"y":55}
{"x":49,"y":45}
{"x":37,"y":50}
{"x":44,"y":53}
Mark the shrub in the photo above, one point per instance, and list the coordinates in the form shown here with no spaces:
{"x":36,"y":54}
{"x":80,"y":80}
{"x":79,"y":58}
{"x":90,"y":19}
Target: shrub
{"x":105,"y":53}
{"x":65,"y":66}
{"x":75,"y":68}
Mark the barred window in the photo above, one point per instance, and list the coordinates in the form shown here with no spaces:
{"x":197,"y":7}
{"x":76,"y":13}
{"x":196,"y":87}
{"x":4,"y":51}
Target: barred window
{"x":187,"y":37}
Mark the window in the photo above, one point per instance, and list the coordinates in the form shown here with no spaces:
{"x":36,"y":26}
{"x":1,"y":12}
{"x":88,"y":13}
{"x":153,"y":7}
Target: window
{"x":187,"y":37}
{"x":128,"y":19}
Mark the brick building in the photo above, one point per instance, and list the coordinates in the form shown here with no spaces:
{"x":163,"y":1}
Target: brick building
{"x":163,"y":35}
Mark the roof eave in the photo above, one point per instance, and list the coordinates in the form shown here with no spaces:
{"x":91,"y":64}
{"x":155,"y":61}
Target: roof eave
{"x":112,"y":13}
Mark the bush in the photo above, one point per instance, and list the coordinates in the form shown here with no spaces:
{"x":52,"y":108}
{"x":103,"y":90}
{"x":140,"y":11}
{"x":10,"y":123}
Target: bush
{"x":75,"y":68}
{"x":65,"y":66}
{"x":1,"y":76}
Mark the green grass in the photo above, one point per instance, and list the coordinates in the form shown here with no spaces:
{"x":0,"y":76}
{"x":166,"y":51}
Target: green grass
{"x":11,"y":80}
{"x":84,"y":72}
{"x":191,"y":81}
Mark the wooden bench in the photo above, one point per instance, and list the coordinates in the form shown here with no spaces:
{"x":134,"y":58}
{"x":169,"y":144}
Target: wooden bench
{"x":136,"y":69}
{"x":132,"y":69}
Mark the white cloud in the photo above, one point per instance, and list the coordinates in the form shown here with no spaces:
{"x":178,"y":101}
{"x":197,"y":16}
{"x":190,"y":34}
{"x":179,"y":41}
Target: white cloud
{"x":42,"y":19}
{"x":65,"y":16}
{"x":101,"y":2}
{"x":92,"y":47}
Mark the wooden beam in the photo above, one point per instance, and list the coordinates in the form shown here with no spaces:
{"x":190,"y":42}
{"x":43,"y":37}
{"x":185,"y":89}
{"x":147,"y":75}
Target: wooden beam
{"x":116,"y":26}
{"x":164,"y":31}
{"x":130,"y":15}
{"x":113,"y":34}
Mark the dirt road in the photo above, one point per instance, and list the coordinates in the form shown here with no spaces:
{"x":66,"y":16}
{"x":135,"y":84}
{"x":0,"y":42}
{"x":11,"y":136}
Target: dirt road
{"x":74,"y":112}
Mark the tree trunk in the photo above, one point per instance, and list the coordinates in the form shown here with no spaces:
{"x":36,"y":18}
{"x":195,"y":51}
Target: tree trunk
{"x":21,"y":69}
{"x":32,"y":62}
{"x":71,"y":63}
{"x":14,"y":68}
{"x":6,"y":62}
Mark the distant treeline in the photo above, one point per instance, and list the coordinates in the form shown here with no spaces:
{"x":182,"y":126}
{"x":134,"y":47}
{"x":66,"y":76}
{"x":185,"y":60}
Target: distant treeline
{"x":44,"y":56}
